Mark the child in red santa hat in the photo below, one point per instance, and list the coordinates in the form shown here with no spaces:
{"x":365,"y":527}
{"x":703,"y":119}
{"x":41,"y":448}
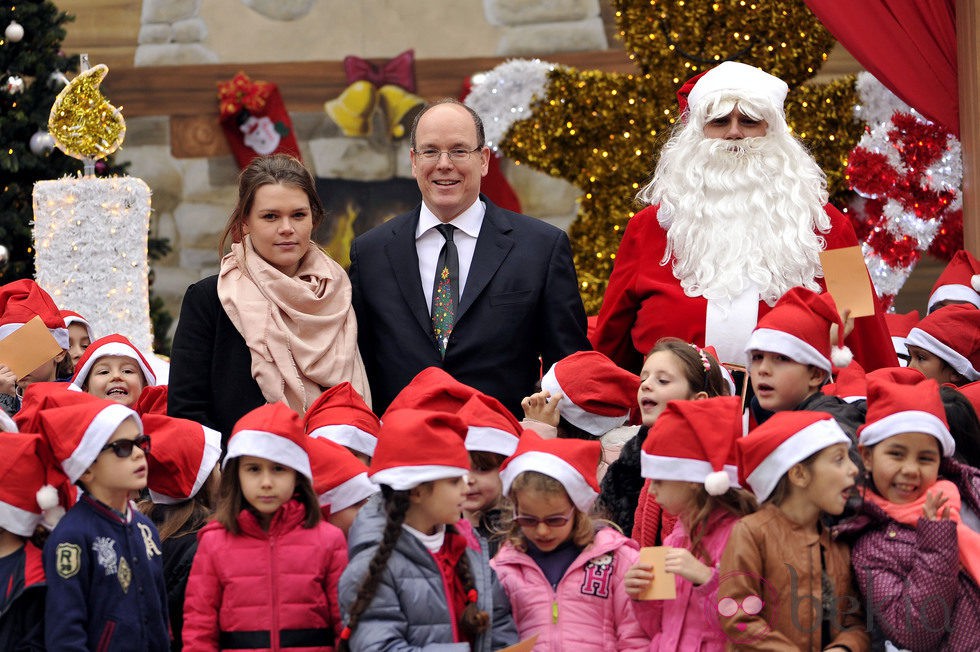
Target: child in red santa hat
{"x":958,"y":283}
{"x":945,"y":345}
{"x":341,"y":415}
{"x":113,"y":369}
{"x":340,"y":480}
{"x":80,"y":334}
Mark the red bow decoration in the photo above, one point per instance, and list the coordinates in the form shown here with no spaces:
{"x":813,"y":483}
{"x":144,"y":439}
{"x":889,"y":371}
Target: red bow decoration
{"x":399,"y":71}
{"x":241,"y":93}
{"x":471,"y":596}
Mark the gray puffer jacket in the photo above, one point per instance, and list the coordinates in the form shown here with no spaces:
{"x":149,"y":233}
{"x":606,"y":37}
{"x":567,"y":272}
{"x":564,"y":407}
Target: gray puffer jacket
{"x":409,"y":610}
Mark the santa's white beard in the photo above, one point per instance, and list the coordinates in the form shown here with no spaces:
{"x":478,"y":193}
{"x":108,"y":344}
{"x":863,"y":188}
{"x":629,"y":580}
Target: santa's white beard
{"x":740,"y":214}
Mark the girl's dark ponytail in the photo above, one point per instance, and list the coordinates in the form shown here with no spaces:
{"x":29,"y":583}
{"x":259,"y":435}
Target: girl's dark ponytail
{"x":473,"y":621}
{"x":396,"y":506}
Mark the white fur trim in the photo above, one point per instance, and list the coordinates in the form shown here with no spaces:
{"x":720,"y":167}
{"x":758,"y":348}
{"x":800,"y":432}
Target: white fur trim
{"x":841,"y":356}
{"x":815,"y":437}
{"x":348,"y":493}
{"x":349,"y":436}
{"x":901,"y":349}
{"x":72,"y":319}
{"x":955,"y":359}
{"x":728,"y":325}
{"x":96,"y":435}
{"x":594,"y":424}
{"x":212,"y":453}
{"x":60,"y":335}
{"x":7,"y":424}
{"x":975,"y":283}
{"x":494,"y":440}
{"x":956,"y":293}
{"x":578,"y":489}
{"x":908,"y":421}
{"x":738,"y":79}
{"x":119,"y":349}
{"x":768,"y":339}
{"x":402,"y":478}
{"x":658,"y":467}
{"x":270,"y":446}
{"x":19,"y":521}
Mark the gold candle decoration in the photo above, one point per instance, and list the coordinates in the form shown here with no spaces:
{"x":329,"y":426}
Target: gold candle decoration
{"x":82,"y":121}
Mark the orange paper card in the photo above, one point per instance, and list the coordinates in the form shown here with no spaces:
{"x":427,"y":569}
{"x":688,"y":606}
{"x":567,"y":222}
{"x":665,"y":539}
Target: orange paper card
{"x":663,"y":586}
{"x":523,"y":646}
{"x":847,"y":280}
{"x":28,"y":347}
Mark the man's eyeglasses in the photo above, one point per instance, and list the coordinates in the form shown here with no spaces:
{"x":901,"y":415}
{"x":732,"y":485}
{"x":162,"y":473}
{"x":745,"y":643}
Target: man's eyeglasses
{"x":557,"y":520}
{"x":124,"y":447}
{"x":455,"y":154}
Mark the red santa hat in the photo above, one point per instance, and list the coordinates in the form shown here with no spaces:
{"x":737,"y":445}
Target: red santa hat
{"x":899,"y":407}
{"x":785,"y":439}
{"x":850,"y":385}
{"x":77,"y":433}
{"x":44,"y":395}
{"x":899,"y":325}
{"x":490,"y":426}
{"x":24,"y":476}
{"x":152,"y":400}
{"x":417,"y":446}
{"x":72,"y":317}
{"x":341,"y":415}
{"x":114,"y":344}
{"x":183,"y":455}
{"x":432,"y":389}
{"x":952,"y":334}
{"x":572,"y":462}
{"x":22,"y":301}
{"x":960,"y":281}
{"x":972,"y":393}
{"x":731,"y":78}
{"x":694,"y":441}
{"x":597,"y":394}
{"x":798,"y":327}
{"x":274,"y":432}
{"x":339,"y":479}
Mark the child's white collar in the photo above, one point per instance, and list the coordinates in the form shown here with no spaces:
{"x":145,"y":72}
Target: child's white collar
{"x":432,"y":542}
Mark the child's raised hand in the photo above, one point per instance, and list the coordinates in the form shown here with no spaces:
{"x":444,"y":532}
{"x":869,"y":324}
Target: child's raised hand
{"x":683,"y":563}
{"x":934,"y":502}
{"x":637,"y":579}
{"x":542,"y":406}
{"x":8,"y":381}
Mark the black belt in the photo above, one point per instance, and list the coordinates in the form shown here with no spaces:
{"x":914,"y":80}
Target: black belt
{"x":316,"y":637}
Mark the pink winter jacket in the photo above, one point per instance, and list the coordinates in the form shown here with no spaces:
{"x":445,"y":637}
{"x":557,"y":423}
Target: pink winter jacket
{"x":274,"y":590}
{"x":689,"y":622}
{"x":589,"y":612}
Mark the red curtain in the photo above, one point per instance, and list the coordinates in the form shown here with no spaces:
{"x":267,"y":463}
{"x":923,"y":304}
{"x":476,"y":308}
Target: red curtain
{"x":908,"y":45}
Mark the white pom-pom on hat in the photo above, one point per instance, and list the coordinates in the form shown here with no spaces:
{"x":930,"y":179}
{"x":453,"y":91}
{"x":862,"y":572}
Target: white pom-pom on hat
{"x":47,"y":497}
{"x":975,"y":282}
{"x":841,"y":356}
{"x":717,"y":483}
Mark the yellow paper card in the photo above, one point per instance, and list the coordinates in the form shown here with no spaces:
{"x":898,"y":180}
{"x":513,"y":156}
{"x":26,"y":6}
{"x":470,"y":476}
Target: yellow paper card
{"x":28,"y":347}
{"x":523,"y":646}
{"x":663,"y":586}
{"x":847,"y":280}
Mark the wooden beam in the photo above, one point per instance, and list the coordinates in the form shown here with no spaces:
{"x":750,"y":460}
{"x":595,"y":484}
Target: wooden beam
{"x":968,"y":73}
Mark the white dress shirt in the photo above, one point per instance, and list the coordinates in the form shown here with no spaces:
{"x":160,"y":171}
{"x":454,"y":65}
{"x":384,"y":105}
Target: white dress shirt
{"x":428,"y":244}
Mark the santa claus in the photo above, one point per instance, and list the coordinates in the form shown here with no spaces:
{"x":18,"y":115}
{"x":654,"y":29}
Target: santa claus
{"x":737,"y":216}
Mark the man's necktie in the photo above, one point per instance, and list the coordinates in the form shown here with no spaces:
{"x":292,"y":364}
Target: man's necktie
{"x":445,"y":291}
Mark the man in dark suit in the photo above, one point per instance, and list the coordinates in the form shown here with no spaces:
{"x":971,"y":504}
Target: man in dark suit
{"x":482,"y":298}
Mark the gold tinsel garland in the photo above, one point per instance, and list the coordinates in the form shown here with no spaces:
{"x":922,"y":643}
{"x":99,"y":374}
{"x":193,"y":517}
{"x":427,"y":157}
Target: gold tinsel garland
{"x":83,"y":123}
{"x":603,"y":131}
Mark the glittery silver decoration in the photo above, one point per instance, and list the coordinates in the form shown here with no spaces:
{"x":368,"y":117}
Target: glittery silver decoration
{"x":505,"y":95}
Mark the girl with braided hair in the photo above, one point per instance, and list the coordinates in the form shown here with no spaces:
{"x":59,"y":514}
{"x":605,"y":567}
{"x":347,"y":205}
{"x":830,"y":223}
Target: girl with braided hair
{"x":413,"y":580}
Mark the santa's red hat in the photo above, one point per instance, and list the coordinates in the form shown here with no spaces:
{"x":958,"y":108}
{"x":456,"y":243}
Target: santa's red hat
{"x":22,"y":301}
{"x":72,"y":317}
{"x":952,"y":334}
{"x":785,"y":439}
{"x":899,"y":407}
{"x":183,"y":455}
{"x":24,"y":476}
{"x":798,"y":327}
{"x":960,"y":281}
{"x":341,"y":415}
{"x":273,"y":432}
{"x":490,"y":426}
{"x":115,"y":344}
{"x":77,"y":433}
{"x":431,"y":389}
{"x":597,"y":393}
{"x":850,"y":385}
{"x":42,"y":396}
{"x":694,"y":441}
{"x":899,"y":325}
{"x":572,"y":462}
{"x":339,"y":479}
{"x":152,"y":400}
{"x":417,"y":446}
{"x":735,"y":79}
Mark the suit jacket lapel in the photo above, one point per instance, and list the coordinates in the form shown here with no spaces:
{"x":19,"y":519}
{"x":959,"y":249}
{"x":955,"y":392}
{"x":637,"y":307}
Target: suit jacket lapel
{"x":404,"y":260}
{"x":492,"y":248}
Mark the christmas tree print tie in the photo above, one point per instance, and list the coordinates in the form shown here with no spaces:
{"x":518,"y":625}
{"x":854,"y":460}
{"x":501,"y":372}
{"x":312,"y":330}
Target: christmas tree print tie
{"x":445,"y":291}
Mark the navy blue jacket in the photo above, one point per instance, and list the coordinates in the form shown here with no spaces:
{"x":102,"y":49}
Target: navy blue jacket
{"x":105,"y":582}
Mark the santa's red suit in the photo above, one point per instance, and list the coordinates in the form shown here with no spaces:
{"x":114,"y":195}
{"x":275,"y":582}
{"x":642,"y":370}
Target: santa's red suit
{"x":644,"y":301}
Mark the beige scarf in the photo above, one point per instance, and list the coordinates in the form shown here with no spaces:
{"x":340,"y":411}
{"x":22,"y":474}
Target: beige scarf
{"x":300,"y":329}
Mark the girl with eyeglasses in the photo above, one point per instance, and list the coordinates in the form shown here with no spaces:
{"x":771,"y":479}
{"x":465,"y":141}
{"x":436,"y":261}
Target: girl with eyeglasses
{"x":564,"y":576}
{"x":689,"y":458}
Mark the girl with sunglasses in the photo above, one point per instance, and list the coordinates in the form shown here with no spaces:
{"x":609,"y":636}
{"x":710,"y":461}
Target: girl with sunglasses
{"x":564,"y":577}
{"x":689,"y":458}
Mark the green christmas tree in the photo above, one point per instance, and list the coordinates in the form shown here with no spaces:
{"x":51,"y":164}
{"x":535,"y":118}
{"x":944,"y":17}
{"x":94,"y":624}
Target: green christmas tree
{"x":33,"y":70}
